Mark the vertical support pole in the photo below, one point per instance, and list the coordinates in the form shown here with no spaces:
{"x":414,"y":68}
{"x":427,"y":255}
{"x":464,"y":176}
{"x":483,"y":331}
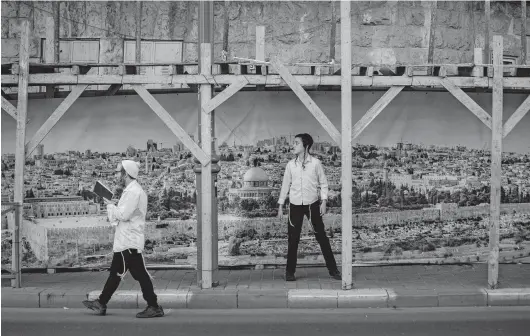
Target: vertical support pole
{"x":226,"y":27}
{"x":478,"y":58}
{"x":333,"y":34}
{"x":487,"y":32}
{"x":57,"y":29}
{"x":260,"y":54}
{"x":49,"y":53}
{"x":346,"y":120}
{"x":432,"y":34}
{"x":20,"y":155}
{"x":208,"y":229}
{"x":496,"y":156}
{"x":138,"y":47}
{"x":524,"y":47}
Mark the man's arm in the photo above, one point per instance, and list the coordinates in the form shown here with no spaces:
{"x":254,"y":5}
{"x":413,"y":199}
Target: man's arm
{"x":323,"y":181}
{"x":126,"y":207}
{"x":286,"y":184}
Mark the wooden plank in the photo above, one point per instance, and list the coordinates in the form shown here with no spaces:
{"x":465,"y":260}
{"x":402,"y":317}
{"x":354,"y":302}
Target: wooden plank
{"x":478,"y":71}
{"x":20,"y":159}
{"x":308,"y":102}
{"x":54,"y":118}
{"x":49,"y":52}
{"x":375,"y":110}
{"x":524,"y":42}
{"x":9,"y":108}
{"x":206,"y":173}
{"x":111,"y":91}
{"x":487,"y":51}
{"x":138,"y":45}
{"x":224,"y":95}
{"x":346,"y":142}
{"x":467,"y":102}
{"x":260,"y":53}
{"x":333,"y":32}
{"x":516,"y":116}
{"x":496,"y":160}
{"x":179,"y":132}
{"x":226,"y":28}
{"x":432,"y":34}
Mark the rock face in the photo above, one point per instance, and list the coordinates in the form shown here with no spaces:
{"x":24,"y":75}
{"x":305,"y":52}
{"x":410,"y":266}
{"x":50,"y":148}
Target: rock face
{"x":382,"y":31}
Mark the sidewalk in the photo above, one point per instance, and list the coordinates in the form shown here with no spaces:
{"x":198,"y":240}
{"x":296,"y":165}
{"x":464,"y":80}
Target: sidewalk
{"x":380,"y":286}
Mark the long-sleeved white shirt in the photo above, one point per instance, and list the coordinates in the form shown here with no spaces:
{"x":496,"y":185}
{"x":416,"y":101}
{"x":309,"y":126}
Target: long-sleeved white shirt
{"x":302,"y":184}
{"x":129,"y":218}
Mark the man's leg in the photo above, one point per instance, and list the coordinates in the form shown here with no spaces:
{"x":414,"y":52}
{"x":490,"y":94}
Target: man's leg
{"x":295,"y":219}
{"x":118,"y":268}
{"x":136,"y":265}
{"x":322,"y":238}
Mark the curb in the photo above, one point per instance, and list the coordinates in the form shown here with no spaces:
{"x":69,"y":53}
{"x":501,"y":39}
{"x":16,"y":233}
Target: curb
{"x":31,"y":297}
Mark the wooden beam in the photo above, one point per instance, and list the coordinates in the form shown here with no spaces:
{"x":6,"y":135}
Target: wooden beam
{"x":111,"y":91}
{"x":478,"y":56}
{"x":333,"y":32}
{"x":179,"y":132}
{"x":468,"y":102}
{"x":9,"y":108}
{"x":524,"y":42}
{"x":375,"y":110}
{"x":207,"y":264}
{"x":54,"y":118}
{"x":20,"y":159}
{"x":49,"y":52}
{"x":138,"y":46}
{"x":260,"y":53}
{"x":496,"y":160}
{"x":224,"y":95}
{"x":56,"y":30}
{"x":308,"y":102}
{"x":516,"y":116}
{"x":345,"y":141}
{"x":432,"y":34}
{"x":226,"y":27}
{"x":487,"y":51}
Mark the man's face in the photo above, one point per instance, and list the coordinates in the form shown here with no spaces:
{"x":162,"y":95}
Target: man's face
{"x":298,"y":147}
{"x":120,"y":178}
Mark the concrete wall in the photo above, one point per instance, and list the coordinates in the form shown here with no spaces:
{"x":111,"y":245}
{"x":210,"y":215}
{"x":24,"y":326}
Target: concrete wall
{"x":382,"y":32}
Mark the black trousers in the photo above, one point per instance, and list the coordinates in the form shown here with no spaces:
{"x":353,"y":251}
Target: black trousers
{"x":295,"y":220}
{"x":133,"y":261}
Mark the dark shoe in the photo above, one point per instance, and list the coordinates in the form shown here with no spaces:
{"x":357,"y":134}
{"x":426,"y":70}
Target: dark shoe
{"x":289,"y":277}
{"x":335,"y":275}
{"x":151,"y":311}
{"x":96,"y":306}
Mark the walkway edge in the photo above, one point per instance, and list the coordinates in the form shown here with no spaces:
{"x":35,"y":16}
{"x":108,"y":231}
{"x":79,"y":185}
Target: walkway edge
{"x":273,"y":298}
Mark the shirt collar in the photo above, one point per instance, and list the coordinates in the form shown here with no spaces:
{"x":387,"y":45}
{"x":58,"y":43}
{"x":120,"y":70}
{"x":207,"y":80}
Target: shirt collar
{"x":308,"y":158}
{"x":130,"y":185}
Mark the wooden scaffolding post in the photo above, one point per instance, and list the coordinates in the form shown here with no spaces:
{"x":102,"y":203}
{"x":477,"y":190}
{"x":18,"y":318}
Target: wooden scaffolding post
{"x":487,"y":50}
{"x":496,"y":159}
{"x":49,"y":52}
{"x":20,"y":157}
{"x":524,"y":53}
{"x":432,"y":35}
{"x":333,"y":32}
{"x":138,"y":46}
{"x":346,"y":154}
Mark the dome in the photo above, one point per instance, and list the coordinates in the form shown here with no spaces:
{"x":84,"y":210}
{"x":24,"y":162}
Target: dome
{"x":255,"y":174}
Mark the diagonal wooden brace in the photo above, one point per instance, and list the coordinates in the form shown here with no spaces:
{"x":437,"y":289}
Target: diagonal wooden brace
{"x":375,"y":110}
{"x":179,"y":132}
{"x":516,"y":116}
{"x":308,"y":102}
{"x":467,"y":101}
{"x":223,"y":96}
{"x":9,"y":108}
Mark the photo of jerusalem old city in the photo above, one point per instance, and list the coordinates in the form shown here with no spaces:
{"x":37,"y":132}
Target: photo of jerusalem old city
{"x":421,"y":170}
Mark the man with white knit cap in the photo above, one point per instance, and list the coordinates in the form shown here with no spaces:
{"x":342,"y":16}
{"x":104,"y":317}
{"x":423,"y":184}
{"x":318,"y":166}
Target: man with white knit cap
{"x":129,"y":218}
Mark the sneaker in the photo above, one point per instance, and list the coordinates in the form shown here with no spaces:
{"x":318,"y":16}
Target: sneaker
{"x":96,"y":306}
{"x":151,"y":311}
{"x":336,"y":274}
{"x":289,"y":276}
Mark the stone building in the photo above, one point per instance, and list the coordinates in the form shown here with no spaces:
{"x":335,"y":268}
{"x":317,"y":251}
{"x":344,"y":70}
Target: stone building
{"x":255,"y":185}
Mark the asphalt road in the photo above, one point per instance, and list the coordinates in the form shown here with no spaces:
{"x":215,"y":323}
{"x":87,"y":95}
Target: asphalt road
{"x":482,"y":321}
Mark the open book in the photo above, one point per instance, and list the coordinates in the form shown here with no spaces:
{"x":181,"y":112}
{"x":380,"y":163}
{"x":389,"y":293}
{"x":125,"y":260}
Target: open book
{"x":103,"y":191}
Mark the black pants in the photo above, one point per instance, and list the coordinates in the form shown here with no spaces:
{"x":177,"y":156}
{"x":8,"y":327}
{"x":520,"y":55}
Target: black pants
{"x":133,"y":261}
{"x":295,"y":220}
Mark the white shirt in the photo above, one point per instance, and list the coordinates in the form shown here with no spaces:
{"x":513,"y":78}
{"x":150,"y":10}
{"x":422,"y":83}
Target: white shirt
{"x":302,"y":184}
{"x":129,"y":218}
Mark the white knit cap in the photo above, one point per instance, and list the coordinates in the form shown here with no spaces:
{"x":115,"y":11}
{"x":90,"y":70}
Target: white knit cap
{"x":131,"y":167}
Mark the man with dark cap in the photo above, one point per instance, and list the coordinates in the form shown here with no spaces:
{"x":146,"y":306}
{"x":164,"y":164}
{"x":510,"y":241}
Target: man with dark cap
{"x":129,"y":218}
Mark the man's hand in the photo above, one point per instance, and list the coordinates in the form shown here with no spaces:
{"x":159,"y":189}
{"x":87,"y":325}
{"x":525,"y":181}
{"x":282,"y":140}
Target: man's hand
{"x":107,"y":202}
{"x":323,"y":208}
{"x":280,"y":211}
